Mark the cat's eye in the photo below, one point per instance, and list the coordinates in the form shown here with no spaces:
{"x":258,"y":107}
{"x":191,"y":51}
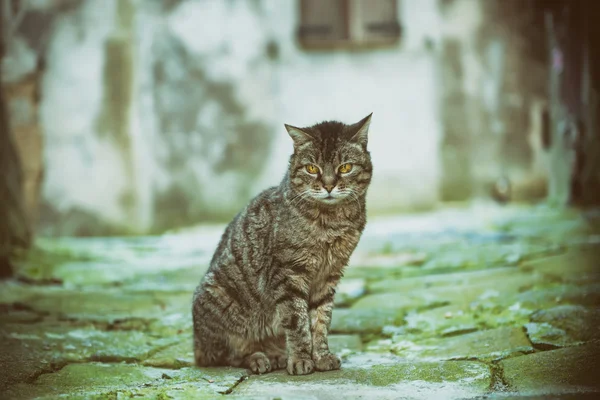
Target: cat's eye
{"x":312,"y":169}
{"x":345,"y":168}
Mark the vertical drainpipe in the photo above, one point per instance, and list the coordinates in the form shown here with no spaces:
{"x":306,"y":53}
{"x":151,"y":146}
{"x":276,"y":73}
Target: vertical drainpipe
{"x":116,"y":118}
{"x":575,"y":143}
{"x":561,"y":156}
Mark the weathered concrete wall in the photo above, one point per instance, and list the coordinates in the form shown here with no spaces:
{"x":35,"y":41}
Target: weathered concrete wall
{"x":397,"y":84}
{"x":493,"y":85}
{"x":205,"y":96}
{"x":23,"y":109}
{"x":144,"y":129}
{"x":160,"y":114}
{"x":21,"y":153}
{"x":574,"y":102}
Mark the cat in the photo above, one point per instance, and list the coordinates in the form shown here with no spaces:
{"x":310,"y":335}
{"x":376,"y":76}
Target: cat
{"x":266,"y":301}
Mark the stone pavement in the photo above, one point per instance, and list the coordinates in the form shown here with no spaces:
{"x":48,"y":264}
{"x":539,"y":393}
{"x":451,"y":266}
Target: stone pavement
{"x":474,"y":302}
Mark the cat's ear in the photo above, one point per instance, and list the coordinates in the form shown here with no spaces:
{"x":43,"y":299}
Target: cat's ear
{"x":298,"y":135}
{"x":362,"y":131}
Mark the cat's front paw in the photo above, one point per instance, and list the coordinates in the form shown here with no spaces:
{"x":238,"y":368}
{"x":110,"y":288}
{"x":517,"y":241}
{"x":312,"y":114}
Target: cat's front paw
{"x":300,"y":366}
{"x":327,"y":362}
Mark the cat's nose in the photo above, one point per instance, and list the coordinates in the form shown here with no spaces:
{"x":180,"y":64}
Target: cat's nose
{"x":329,"y":188}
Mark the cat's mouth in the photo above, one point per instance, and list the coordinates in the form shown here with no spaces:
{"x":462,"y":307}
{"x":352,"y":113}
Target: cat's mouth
{"x":329,"y":199}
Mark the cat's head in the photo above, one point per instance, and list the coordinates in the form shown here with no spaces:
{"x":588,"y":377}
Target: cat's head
{"x":330,"y":164}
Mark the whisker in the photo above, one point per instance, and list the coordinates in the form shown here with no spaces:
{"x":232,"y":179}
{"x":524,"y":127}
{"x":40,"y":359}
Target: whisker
{"x":297,"y":199}
{"x":356,"y":198}
{"x":298,"y":195}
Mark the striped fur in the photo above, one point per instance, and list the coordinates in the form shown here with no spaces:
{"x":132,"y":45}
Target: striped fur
{"x":265,"y":303}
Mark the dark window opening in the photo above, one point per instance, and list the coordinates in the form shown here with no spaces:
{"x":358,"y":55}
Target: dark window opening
{"x":334,"y":24}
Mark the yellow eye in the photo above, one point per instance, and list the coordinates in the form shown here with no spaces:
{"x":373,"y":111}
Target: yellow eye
{"x":345,"y":168}
{"x":312,"y":169}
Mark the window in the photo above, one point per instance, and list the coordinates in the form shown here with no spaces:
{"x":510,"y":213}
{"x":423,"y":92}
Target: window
{"x":348,"y":23}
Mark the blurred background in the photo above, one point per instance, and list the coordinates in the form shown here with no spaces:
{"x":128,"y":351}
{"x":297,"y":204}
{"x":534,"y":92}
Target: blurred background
{"x":132,"y":131}
{"x":141,"y":116}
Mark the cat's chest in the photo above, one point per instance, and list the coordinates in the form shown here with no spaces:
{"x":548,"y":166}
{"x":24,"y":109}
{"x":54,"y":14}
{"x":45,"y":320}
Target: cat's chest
{"x":327,"y":237}
{"x":330,"y":255}
{"x":332,"y":247}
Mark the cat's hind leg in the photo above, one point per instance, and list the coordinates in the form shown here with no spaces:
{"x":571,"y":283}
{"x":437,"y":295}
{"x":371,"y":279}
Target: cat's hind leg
{"x":275,"y":350}
{"x":258,"y":363}
{"x":209,"y":351}
{"x":210,"y":347}
{"x":278,"y":361}
{"x":248,"y":354}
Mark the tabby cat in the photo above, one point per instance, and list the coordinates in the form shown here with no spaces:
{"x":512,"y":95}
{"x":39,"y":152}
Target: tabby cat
{"x":265,"y":302}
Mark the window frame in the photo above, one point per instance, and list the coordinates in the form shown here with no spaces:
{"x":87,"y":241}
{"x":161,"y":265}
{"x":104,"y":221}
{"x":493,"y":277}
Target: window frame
{"x":354,"y":36}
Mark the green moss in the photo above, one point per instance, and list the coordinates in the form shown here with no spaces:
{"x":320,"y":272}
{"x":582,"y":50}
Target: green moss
{"x":383,"y":375}
{"x":39,"y":263}
{"x":60,"y":344}
{"x":397,"y":301}
{"x":375,"y":273}
{"x":364,"y":321}
{"x":487,"y":345}
{"x":471,"y":374}
{"x":173,"y":357}
{"x":109,"y":381}
{"x":556,"y":371}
